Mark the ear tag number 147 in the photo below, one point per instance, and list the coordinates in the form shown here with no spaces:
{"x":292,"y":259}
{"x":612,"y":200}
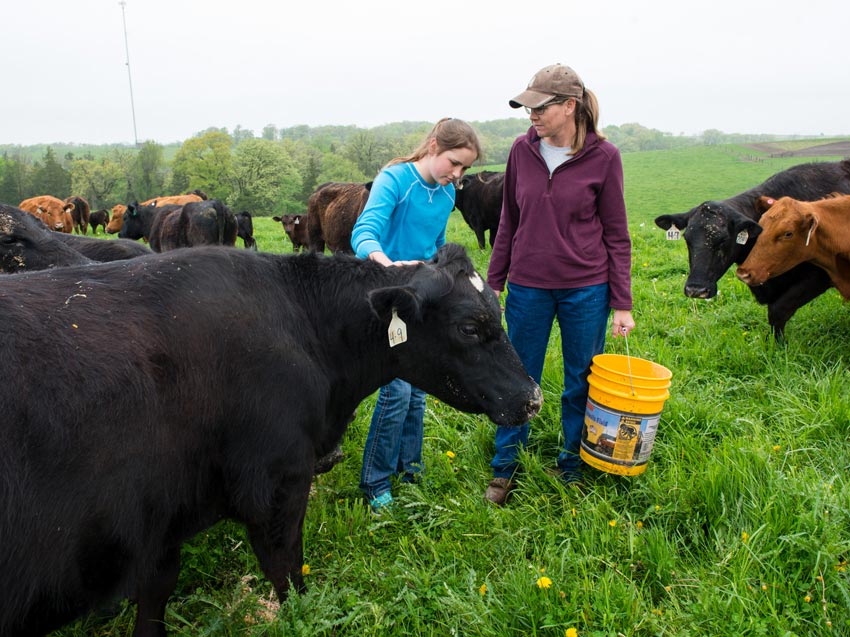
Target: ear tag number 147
{"x":398,"y":330}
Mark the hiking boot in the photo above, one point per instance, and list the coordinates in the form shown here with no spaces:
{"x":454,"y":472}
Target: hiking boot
{"x":499,"y":490}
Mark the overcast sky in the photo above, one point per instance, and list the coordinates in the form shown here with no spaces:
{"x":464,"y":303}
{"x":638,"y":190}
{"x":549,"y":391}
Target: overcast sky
{"x":740,"y":66}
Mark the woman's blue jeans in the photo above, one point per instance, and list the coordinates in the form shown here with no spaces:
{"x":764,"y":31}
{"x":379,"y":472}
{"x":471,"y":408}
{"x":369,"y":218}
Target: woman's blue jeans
{"x":582,"y":315}
{"x":394,"y":443}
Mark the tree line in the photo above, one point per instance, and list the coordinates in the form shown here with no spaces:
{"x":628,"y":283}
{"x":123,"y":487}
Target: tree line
{"x":270,"y":174}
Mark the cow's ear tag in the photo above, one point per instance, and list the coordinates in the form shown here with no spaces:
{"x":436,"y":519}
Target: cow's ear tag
{"x":673,"y":234}
{"x":398,"y":330}
{"x":742,"y":237}
{"x":297,"y":219}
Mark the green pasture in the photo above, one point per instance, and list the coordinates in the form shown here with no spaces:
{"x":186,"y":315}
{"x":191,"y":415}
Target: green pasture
{"x":739,"y":526}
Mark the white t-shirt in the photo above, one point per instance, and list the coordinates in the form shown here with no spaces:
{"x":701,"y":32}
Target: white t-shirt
{"x":555,"y":155}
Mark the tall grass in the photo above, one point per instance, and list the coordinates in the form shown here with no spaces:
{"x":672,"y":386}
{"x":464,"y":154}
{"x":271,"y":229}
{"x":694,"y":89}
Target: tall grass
{"x":739,"y":526}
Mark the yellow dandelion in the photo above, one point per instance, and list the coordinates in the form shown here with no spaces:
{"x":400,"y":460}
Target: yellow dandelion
{"x":450,"y":454}
{"x":667,"y":588}
{"x":562,"y":594}
{"x":657,"y":507}
{"x":612,"y":523}
{"x":776,"y":447}
{"x":305,"y":569}
{"x":764,"y":587}
{"x":639,"y":524}
{"x":542,"y":569}
{"x":574,"y":512}
{"x":744,"y":537}
{"x":807,"y":598}
{"x":570,"y":632}
{"x":483,"y":589}
{"x":544,"y":582}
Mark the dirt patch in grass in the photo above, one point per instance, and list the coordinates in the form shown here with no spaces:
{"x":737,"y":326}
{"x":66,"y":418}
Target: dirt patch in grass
{"x":778,"y":149}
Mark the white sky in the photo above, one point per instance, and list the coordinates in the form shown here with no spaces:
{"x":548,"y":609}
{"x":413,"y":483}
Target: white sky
{"x":740,"y":66}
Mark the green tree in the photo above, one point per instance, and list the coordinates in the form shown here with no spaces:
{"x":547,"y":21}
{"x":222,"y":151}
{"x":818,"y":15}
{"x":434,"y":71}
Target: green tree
{"x":100,"y":182}
{"x":265,"y":179}
{"x":13,"y":180}
{"x":51,"y":178}
{"x":148,"y":171}
{"x":204,"y":162}
{"x":338,"y":168}
{"x":269,"y":132}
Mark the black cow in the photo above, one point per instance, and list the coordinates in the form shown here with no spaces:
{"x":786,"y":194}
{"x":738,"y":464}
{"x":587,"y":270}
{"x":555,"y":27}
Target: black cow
{"x":98,"y":218}
{"x":479,"y":199}
{"x":98,"y":494}
{"x":26,"y":243}
{"x":197,"y":223}
{"x":245,"y":229}
{"x":138,"y":219}
{"x":104,"y":249}
{"x":715,"y":232}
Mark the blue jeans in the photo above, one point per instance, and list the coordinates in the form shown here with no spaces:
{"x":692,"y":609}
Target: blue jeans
{"x":394,"y":443}
{"x":582,"y":315}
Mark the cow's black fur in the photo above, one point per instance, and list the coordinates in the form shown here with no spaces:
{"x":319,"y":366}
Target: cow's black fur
{"x":711,"y":229}
{"x":97,"y":495}
{"x":479,"y":199}
{"x":26,"y":244}
{"x":197,"y":223}
{"x":245,"y":229}
{"x":138,"y":219}
{"x":104,"y":249}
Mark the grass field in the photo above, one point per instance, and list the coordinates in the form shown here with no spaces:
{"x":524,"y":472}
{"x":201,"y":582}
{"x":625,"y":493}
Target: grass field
{"x":739,"y":526}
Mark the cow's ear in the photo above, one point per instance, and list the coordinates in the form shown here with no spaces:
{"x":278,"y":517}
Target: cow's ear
{"x":402,"y":299}
{"x":665,"y":222}
{"x":69,"y":207}
{"x":746,"y":230}
{"x":763,"y":204}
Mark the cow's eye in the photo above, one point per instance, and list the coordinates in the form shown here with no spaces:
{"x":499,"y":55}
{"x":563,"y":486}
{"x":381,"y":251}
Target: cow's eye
{"x":789,"y":234}
{"x":8,"y":240}
{"x":469,"y":329}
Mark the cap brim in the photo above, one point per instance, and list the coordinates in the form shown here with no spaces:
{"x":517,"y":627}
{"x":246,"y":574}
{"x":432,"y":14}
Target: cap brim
{"x":531,"y":99}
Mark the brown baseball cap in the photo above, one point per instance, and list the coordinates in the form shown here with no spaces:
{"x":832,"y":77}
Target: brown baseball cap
{"x":549,"y":83}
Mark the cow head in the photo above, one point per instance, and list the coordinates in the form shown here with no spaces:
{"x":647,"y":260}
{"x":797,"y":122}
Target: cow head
{"x":717,"y":235}
{"x":787,"y":231}
{"x":117,"y":220}
{"x":454,"y":331}
{"x":132,"y":223}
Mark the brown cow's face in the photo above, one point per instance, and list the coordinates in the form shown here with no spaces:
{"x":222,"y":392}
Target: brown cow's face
{"x":57,"y":216}
{"x":117,"y":222}
{"x":785,"y":240}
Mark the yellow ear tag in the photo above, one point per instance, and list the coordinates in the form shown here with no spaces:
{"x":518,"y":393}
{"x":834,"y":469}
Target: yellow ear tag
{"x":398,"y":330}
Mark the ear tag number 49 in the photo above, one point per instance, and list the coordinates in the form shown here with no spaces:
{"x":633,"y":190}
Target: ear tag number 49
{"x":398,"y":330}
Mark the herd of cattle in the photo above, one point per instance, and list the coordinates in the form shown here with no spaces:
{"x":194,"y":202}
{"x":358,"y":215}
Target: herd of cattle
{"x":99,"y":490}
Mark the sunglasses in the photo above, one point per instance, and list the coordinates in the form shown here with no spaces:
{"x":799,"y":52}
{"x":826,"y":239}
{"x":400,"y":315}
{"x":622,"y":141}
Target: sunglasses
{"x":542,"y":109}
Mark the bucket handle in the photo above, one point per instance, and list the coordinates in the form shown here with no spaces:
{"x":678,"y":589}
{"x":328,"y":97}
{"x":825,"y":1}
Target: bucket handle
{"x":629,"y":361}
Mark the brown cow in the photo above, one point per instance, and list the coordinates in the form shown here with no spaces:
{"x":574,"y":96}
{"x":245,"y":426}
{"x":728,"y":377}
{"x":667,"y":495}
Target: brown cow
{"x":118,"y":211}
{"x":98,"y":218}
{"x":80,"y":214}
{"x":295,"y":227}
{"x":793,"y":231}
{"x":54,"y":212}
{"x":332,"y":210}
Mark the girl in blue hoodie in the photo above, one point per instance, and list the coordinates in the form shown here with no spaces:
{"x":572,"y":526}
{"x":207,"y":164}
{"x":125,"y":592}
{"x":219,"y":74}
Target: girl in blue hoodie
{"x":403,"y":223}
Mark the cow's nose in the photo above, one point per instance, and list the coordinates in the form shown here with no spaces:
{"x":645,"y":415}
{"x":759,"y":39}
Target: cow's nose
{"x":694,"y":291}
{"x":745,"y":275}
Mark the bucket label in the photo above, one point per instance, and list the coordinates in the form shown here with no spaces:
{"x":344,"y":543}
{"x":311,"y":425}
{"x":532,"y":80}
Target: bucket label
{"x":615,"y":440}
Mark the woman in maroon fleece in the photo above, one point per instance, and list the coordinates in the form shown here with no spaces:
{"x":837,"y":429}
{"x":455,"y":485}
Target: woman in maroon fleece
{"x":563,"y":247}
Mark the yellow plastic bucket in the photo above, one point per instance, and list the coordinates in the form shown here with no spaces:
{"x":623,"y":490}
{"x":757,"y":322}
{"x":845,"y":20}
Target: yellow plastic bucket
{"x":624,"y":404}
